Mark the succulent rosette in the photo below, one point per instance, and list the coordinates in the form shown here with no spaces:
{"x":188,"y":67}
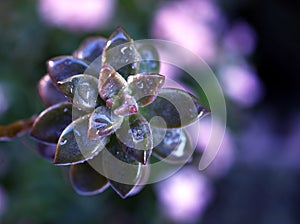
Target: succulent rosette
{"x":106,"y":104}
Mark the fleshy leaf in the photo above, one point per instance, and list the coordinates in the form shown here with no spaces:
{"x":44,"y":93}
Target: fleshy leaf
{"x":91,"y":48}
{"x":122,"y":171}
{"x":74,"y":146}
{"x":174,"y":148}
{"x":110,"y":82}
{"x":49,"y":93}
{"x":63,"y":67}
{"x":127,"y":106}
{"x":145,"y":173}
{"x":177,"y":107}
{"x":141,"y":156}
{"x":7,"y":132}
{"x":49,"y":125}
{"x":120,"y":52}
{"x":47,"y":151}
{"x":136,"y":133}
{"x":82,"y":89}
{"x":87,"y":181}
{"x":144,"y":87}
{"x":149,"y":58}
{"x":103,"y":123}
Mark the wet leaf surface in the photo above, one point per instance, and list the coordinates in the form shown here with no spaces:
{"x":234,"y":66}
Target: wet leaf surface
{"x":120,"y":52}
{"x":177,"y":107}
{"x":91,"y":48}
{"x":122,"y":171}
{"x":82,"y":89}
{"x":174,"y":148}
{"x":49,"y":125}
{"x":136,"y":133}
{"x":103,"y":123}
{"x":87,"y":181}
{"x":141,"y":156}
{"x":127,"y":105}
{"x":49,"y":92}
{"x":63,"y":67}
{"x":149,"y":59}
{"x":110,"y":82}
{"x":74,"y":146}
{"x":145,"y":86}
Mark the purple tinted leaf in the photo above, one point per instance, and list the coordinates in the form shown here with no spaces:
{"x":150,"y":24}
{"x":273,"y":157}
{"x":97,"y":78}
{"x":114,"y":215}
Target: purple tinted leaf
{"x":120,"y":52}
{"x":49,"y":93}
{"x":141,"y":156}
{"x":149,"y":58}
{"x":136,"y":133}
{"x":82,"y":89}
{"x":110,"y":82}
{"x":47,"y":151}
{"x":63,"y":67}
{"x":127,"y":105}
{"x":103,"y":123}
{"x":51,"y":122}
{"x":174,"y":148}
{"x":145,"y":86}
{"x":7,"y":132}
{"x":177,"y":107}
{"x":87,"y":181}
{"x":145,"y":173}
{"x":91,"y":48}
{"x":123,"y":173}
{"x":74,"y":146}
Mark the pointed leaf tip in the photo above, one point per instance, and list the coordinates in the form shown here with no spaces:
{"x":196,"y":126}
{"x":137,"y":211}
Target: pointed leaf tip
{"x":177,"y":107}
{"x":82,"y":90}
{"x":145,"y":86}
{"x":103,"y":123}
{"x":60,"y":68}
{"x":91,"y":49}
{"x":87,"y":181}
{"x":74,"y":146}
{"x":49,"y":125}
{"x":49,"y":93}
{"x":120,"y":52}
{"x":110,"y":82}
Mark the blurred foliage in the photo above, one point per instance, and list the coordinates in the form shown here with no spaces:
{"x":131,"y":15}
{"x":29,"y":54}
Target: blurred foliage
{"x":38,"y":192}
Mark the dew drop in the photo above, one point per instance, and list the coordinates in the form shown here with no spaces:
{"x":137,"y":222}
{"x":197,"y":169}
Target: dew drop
{"x":63,"y":142}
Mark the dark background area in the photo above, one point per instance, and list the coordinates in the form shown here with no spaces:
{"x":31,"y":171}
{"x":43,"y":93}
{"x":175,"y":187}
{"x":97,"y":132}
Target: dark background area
{"x":262,"y":189}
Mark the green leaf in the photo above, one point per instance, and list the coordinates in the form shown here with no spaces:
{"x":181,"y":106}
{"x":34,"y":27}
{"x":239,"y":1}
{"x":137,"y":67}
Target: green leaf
{"x":110,"y":82}
{"x":87,"y":181}
{"x":49,"y":125}
{"x":74,"y":146}
{"x":120,"y":52}
{"x":63,"y":67}
{"x":145,"y":173}
{"x":91,"y":48}
{"x":149,"y":58}
{"x":176,"y":107}
{"x":7,"y":132}
{"x":136,"y":133}
{"x":144,"y":87}
{"x":122,"y":172}
{"x":174,"y":148}
{"x":103,"y":123}
{"x":82,"y":89}
{"x":49,"y":92}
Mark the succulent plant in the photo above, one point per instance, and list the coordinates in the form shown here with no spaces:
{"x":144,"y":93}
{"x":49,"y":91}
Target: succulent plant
{"x":106,"y":101}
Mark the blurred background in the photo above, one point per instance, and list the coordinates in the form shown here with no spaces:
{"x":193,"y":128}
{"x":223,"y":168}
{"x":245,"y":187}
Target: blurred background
{"x":254,"y":49}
